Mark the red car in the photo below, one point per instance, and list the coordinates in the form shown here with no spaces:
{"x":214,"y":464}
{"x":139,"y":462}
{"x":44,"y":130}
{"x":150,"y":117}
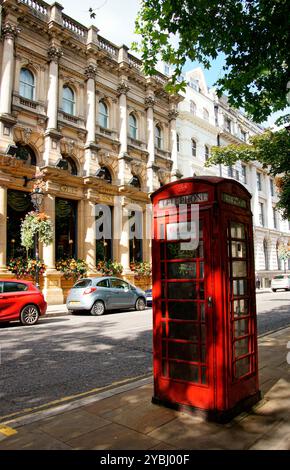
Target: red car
{"x":20,"y":300}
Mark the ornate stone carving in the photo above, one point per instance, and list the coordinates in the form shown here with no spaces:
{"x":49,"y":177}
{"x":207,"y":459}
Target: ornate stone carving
{"x":149,"y":102}
{"x":122,"y":88}
{"x":172,"y":114}
{"x":26,"y":134}
{"x":163,"y":176}
{"x":54,"y":54}
{"x":136,"y":168}
{"x":10,"y":31}
{"x":91,"y":71}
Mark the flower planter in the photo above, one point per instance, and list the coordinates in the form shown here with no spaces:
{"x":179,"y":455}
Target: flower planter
{"x":66,"y":285}
{"x":143,"y":282}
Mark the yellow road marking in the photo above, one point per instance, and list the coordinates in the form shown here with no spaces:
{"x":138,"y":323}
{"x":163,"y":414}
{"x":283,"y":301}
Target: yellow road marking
{"x":7,"y":431}
{"x":60,"y":401}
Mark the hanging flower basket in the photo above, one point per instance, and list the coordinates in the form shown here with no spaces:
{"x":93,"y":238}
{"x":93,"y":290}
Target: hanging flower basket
{"x":36,"y":222}
{"x":23,"y":268}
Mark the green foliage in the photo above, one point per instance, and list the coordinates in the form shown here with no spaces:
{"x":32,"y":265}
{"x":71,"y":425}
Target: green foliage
{"x":283,"y":251}
{"x":24,"y":267}
{"x":72,"y":268}
{"x":253,"y":36}
{"x":272,"y":150}
{"x":36,"y":222}
{"x":141,"y":269}
{"x":109,"y":268}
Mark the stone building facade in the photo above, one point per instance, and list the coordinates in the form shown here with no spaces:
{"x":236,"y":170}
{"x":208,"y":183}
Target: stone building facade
{"x":205,"y":120}
{"x":78,"y":109}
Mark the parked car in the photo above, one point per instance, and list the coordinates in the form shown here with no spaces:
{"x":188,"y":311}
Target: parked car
{"x":281,"y":281}
{"x":96,"y":295}
{"x":148,"y":294}
{"x":21,"y":300}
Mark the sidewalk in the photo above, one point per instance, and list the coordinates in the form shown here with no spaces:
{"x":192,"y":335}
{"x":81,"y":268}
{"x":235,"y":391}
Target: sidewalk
{"x":125,"y":419}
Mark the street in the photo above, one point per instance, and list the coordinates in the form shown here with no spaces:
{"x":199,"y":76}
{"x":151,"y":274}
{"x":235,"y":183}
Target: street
{"x":69,"y":355}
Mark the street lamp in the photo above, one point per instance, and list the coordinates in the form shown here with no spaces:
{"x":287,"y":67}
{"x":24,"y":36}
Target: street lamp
{"x":36,"y":198}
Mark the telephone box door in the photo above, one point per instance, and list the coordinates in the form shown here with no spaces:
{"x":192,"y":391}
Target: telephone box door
{"x":183,"y":320}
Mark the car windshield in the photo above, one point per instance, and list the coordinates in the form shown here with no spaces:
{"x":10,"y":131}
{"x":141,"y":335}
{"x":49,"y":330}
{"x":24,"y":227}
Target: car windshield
{"x":83,"y":283}
{"x":280,"y":277}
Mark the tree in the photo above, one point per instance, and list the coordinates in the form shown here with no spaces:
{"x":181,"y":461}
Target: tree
{"x":272,"y":150}
{"x":253,"y":35}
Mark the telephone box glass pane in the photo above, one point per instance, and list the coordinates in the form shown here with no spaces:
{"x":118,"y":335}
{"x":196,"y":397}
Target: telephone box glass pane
{"x":243,"y":367}
{"x":203,"y":375}
{"x":201,"y":270}
{"x":240,"y":287}
{"x":239,"y":249}
{"x":183,"y":310}
{"x":183,"y":351}
{"x":241,"y":327}
{"x":182,"y":290}
{"x":237,"y":230}
{"x":189,"y":331}
{"x":241,"y":347}
{"x":181,"y":371}
{"x":181,"y":270}
{"x":202,"y":315}
{"x":177,"y":251}
{"x":239,"y":268}
{"x":240,"y":307}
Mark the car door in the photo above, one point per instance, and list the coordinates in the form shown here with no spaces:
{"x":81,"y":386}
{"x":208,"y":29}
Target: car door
{"x":121,"y":294}
{"x":11,"y":299}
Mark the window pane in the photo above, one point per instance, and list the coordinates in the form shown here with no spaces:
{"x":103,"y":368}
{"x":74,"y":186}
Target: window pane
{"x":183,"y":351}
{"x":183,"y":310}
{"x":181,"y":270}
{"x":174,"y":251}
{"x":240,"y":307}
{"x":241,"y":327}
{"x":239,"y":287}
{"x":237,"y":230}
{"x":14,"y":287}
{"x":239,"y":250}
{"x":82,"y":284}
{"x":182,"y":371}
{"x":239,"y":268}
{"x":243,"y":367}
{"x":104,"y":283}
{"x":181,"y":330}
{"x":182,"y":290}
{"x":241,"y":347}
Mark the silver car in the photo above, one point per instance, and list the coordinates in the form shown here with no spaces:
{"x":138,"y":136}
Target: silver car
{"x":98,"y":294}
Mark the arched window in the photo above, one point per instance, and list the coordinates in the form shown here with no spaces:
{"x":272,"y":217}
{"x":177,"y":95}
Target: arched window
{"x":192,"y":107}
{"x":178,"y":142}
{"x":104,"y":174}
{"x":206,"y":152}
{"x":266,"y":254}
{"x":68,"y":100}
{"x":158,"y":137}
{"x":135,"y":181}
{"x":103,"y":115}
{"x":25,"y":153}
{"x":26,"y":88}
{"x":205,"y":114}
{"x":71,"y":165}
{"x":193,"y":147}
{"x":132,"y":126}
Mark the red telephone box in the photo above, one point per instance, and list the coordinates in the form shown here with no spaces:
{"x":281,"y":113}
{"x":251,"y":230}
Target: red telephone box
{"x":204,"y":309}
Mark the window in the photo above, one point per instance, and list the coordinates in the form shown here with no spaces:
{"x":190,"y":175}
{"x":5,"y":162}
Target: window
{"x":275,"y":218}
{"x":103,"y":283}
{"x":230,"y":171}
{"x":132,"y":126}
{"x":26,"y":88}
{"x":244,"y":174}
{"x":194,"y":84}
{"x":103,"y":115}
{"x":228,"y":124}
{"x":135,"y":182}
{"x":261,"y":214}
{"x":243,"y":135}
{"x":279,"y":260}
{"x":178,"y":142}
{"x":166,"y":70}
{"x":272,"y":187}
{"x":206,"y":152}
{"x":68,"y":100}
{"x":193,"y":147}
{"x":266,"y":255}
{"x":14,"y":287}
{"x":118,"y":284}
{"x":83,"y":284}
{"x":205,"y":114}
{"x":158,"y":137}
{"x":25,"y":153}
{"x":72,"y":167}
{"x":104,"y":174}
{"x":259,"y":181}
{"x":192,"y":107}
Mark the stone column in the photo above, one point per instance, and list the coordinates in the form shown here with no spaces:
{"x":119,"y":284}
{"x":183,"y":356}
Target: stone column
{"x":9,"y":32}
{"x":122,"y":91}
{"x":3,"y":231}
{"x":255,"y":195}
{"x":90,"y":235}
{"x":269,"y":208}
{"x":52,"y":136}
{"x":52,"y":278}
{"x":175,"y":173}
{"x":90,"y":73}
{"x":149,"y":104}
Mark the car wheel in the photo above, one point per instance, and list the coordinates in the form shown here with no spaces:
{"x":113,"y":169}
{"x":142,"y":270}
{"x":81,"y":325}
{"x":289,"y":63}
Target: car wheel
{"x":140,"y":304}
{"x":29,"y":315}
{"x":274,"y":290}
{"x":98,"y":308}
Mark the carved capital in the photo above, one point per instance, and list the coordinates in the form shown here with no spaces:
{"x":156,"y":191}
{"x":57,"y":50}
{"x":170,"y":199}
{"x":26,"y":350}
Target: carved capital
{"x":149,"y":102}
{"x":91,"y":71}
{"x":136,"y":168}
{"x":10,"y":31}
{"x":123,"y":88}
{"x":54,"y":54}
{"x":172,"y":114}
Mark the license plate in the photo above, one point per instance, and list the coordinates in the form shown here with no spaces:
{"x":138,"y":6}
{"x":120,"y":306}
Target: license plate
{"x":74,"y":302}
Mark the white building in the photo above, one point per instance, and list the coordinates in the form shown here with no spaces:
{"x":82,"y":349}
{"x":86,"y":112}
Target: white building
{"x":205,"y":120}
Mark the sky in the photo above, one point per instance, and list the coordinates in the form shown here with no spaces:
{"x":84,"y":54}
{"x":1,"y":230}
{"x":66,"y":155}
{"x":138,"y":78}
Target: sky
{"x":116,"y":21}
